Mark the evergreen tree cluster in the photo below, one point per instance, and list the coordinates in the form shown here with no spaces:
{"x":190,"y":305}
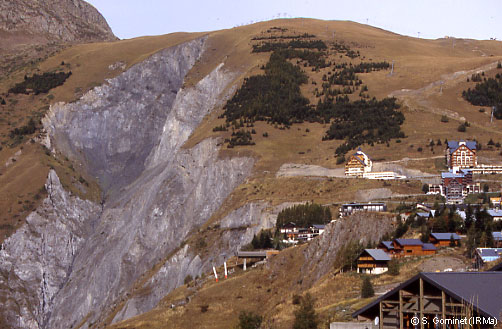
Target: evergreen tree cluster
{"x":27,"y":129}
{"x":249,"y":320}
{"x":486,"y":93}
{"x":284,"y":37}
{"x":262,"y":241}
{"x":274,"y":97}
{"x":293,"y":44}
{"x":361,"y":121}
{"x":304,"y":215}
{"x":240,"y":137}
{"x":40,"y":83}
{"x":2,"y":101}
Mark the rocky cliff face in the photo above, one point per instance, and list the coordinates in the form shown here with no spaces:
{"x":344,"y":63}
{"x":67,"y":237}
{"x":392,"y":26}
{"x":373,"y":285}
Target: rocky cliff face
{"x":129,"y":134}
{"x":55,"y":20}
{"x":37,"y":260}
{"x":322,"y":253}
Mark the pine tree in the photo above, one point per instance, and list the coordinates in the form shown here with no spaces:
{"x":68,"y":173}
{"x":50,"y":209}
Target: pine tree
{"x":367,"y":288}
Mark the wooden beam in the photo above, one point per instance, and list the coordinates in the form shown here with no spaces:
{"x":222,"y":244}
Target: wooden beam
{"x":421,"y":303}
{"x":443,"y":308}
{"x":400,"y":309}
{"x":380,"y":322}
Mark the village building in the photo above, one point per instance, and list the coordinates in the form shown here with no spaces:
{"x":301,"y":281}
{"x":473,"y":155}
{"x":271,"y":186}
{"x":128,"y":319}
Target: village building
{"x":358,"y":164}
{"x":495,"y":214}
{"x":486,"y":255}
{"x":294,"y":234}
{"x":387,"y":246}
{"x":444,"y":239}
{"x":412,"y":247}
{"x":373,"y":261}
{"x":456,"y":184}
{"x":439,"y":300}
{"x":461,"y":154}
{"x":495,"y":201}
{"x":350,"y":208}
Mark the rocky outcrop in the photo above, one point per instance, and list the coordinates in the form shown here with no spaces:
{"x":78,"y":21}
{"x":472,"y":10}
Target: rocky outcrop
{"x":55,"y":20}
{"x":235,"y":230}
{"x":36,"y":261}
{"x":115,"y":127}
{"x":322,"y":253}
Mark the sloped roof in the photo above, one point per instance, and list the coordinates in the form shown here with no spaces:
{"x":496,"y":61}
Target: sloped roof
{"x":489,"y":252}
{"x":453,"y":145}
{"x":409,"y":242}
{"x":494,"y":213}
{"x":378,"y":254}
{"x":428,"y":246}
{"x":388,"y":244}
{"x":319,"y":226}
{"x":480,"y":289}
{"x":449,"y":174}
{"x":445,"y":236}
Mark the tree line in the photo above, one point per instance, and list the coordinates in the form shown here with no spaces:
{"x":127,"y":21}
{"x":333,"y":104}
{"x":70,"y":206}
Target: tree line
{"x":304,"y":215}
{"x":40,"y":83}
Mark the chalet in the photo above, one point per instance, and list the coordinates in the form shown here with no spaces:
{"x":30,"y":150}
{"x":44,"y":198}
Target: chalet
{"x":386,"y":246}
{"x":461,"y":154}
{"x":350,"y":208}
{"x":486,"y":255}
{"x":496,"y":214}
{"x":290,"y":230}
{"x":294,"y":234}
{"x":412,"y":247}
{"x":495,"y":201}
{"x":317,"y":229}
{"x":444,"y":239}
{"x":443,"y":300}
{"x":373,"y":261}
{"x":408,"y":247}
{"x":358,"y":164}
{"x":428,"y":249}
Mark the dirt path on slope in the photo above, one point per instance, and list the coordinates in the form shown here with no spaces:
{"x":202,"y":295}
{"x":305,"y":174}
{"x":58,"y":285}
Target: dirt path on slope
{"x":418,"y":98}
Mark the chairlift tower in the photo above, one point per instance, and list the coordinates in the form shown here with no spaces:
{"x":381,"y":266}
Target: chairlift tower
{"x":392,"y":68}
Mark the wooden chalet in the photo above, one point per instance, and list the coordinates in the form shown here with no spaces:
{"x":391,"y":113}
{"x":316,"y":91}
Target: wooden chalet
{"x":444,"y":239}
{"x":387,"y":246}
{"x":412,"y":247}
{"x":373,"y":261}
{"x":358,"y":164}
{"x":461,"y":154}
{"x":439,"y":300}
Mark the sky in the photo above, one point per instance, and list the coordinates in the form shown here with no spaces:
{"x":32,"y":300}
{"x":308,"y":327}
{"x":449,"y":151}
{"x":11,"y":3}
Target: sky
{"x":476,"y":19}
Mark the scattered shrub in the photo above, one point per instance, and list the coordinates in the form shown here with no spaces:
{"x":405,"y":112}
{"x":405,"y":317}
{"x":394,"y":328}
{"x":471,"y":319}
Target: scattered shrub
{"x":444,"y":118}
{"x":305,"y":315}
{"x":249,"y":320}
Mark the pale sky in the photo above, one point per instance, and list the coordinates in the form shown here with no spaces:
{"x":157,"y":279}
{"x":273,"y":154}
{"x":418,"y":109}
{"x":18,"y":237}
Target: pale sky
{"x":477,"y":19}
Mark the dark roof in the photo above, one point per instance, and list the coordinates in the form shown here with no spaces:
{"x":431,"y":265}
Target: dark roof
{"x":388,"y":244}
{"x":365,"y":204}
{"x":377,"y":254}
{"x":319,"y":226}
{"x":428,"y":246}
{"x":445,"y":236}
{"x":409,"y":242}
{"x":453,"y":145}
{"x":483,"y":288}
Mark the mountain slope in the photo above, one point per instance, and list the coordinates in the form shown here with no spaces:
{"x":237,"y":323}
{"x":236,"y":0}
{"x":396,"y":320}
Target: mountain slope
{"x":137,"y":121}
